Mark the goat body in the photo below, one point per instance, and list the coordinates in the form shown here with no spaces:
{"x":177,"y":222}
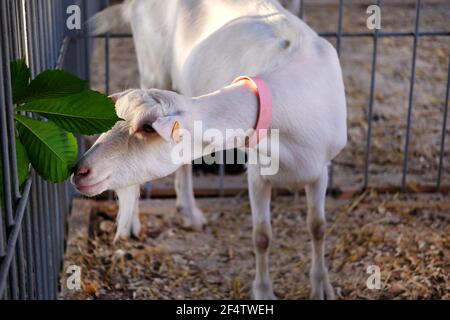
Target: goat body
{"x":196,"y":48}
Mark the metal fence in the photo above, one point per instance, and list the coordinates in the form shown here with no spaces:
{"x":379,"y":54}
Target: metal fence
{"x":33,"y":222}
{"x":375,"y":35}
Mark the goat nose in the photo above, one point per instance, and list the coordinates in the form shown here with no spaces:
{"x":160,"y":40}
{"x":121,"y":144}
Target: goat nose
{"x":82,"y":171}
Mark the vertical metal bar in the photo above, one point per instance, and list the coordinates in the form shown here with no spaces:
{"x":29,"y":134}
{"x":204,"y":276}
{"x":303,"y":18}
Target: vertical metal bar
{"x":107,"y":37}
{"x":411,"y":96}
{"x":51,"y":35}
{"x":8,"y":140}
{"x":21,"y":265}
{"x":4,"y":123}
{"x":18,"y":32}
{"x":340,"y":24}
{"x":6,"y":203}
{"x":47,"y":36}
{"x":13,"y":236}
{"x":52,"y":187}
{"x":10,"y":109}
{"x":43,"y":245}
{"x":48,"y":239}
{"x":41,"y":41}
{"x":59,"y":201}
{"x":53,"y":212}
{"x":444,"y":130}
{"x":302,"y":9}
{"x":338,"y":49}
{"x":370,"y":110}
{"x":31,"y":283}
{"x":37,"y":234}
{"x":86,"y":45}
{"x":41,"y":187}
{"x":32,"y":37}
{"x":36,"y":208}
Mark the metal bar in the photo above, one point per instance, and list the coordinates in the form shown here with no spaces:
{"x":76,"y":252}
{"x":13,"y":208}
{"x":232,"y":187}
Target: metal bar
{"x":38,"y":53}
{"x":86,"y":64}
{"x":338,"y":49}
{"x":37,"y":234}
{"x":440,"y":33}
{"x":4,"y":126}
{"x":340,"y":23}
{"x":387,"y":34}
{"x":53,"y":234}
{"x":10,"y":109}
{"x":31,"y":282}
{"x":51,"y":34}
{"x":411,"y":97}
{"x":107,"y":57}
{"x":8,"y":142}
{"x":21,"y":264}
{"x":48,"y":239}
{"x":4,"y":159}
{"x":62,"y":53}
{"x":444,"y":130}
{"x":12,"y":239}
{"x":43,"y":246}
{"x":302,"y":9}
{"x":370,"y":110}
{"x":59,"y":250}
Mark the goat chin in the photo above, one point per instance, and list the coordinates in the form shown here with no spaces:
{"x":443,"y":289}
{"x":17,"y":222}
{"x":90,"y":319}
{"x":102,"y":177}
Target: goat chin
{"x":128,"y":203}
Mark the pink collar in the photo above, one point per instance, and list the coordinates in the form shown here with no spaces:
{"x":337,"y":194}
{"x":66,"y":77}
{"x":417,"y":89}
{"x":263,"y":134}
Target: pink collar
{"x":259,"y":87}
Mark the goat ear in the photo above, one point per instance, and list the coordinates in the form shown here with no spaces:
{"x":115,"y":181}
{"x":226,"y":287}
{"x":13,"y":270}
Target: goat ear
{"x":115,"y":96}
{"x":168,"y":128}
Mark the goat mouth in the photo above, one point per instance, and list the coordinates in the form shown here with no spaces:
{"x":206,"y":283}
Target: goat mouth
{"x":89,"y":188}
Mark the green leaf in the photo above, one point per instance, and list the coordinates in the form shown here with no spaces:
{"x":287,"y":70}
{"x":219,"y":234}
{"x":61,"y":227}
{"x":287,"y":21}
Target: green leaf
{"x":52,"y":84}
{"x":51,"y":150}
{"x":88,"y":112}
{"x":20,"y":77}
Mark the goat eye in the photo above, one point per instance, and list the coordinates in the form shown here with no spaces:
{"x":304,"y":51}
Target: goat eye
{"x":148,"y":128}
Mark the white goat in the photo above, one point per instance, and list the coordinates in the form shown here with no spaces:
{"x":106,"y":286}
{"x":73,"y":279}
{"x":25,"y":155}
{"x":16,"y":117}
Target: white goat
{"x":197,"y":48}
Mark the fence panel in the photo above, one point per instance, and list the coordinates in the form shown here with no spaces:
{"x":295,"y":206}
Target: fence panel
{"x":32,"y":221}
{"x":338,"y":36}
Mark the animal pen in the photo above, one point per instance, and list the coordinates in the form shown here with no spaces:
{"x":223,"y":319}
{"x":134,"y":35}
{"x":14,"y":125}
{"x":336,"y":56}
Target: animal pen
{"x":388,"y":188}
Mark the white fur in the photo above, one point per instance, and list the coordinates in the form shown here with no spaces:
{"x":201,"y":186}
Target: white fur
{"x":197,"y":47}
{"x":127,"y":219}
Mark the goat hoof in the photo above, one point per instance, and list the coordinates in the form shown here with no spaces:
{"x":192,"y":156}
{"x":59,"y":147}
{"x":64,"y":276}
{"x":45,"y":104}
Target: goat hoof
{"x":322,"y":291}
{"x":263,"y":292}
{"x":193,"y":218}
{"x":125,"y":235}
{"x":136,"y":229}
{"x":264,"y":296}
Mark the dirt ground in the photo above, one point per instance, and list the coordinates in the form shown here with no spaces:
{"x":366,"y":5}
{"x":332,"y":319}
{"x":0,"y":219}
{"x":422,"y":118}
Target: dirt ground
{"x":391,"y":95}
{"x":408,"y":237}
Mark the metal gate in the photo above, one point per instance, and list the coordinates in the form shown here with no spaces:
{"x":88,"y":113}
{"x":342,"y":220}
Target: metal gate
{"x":33,"y":222}
{"x":375,"y":35}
